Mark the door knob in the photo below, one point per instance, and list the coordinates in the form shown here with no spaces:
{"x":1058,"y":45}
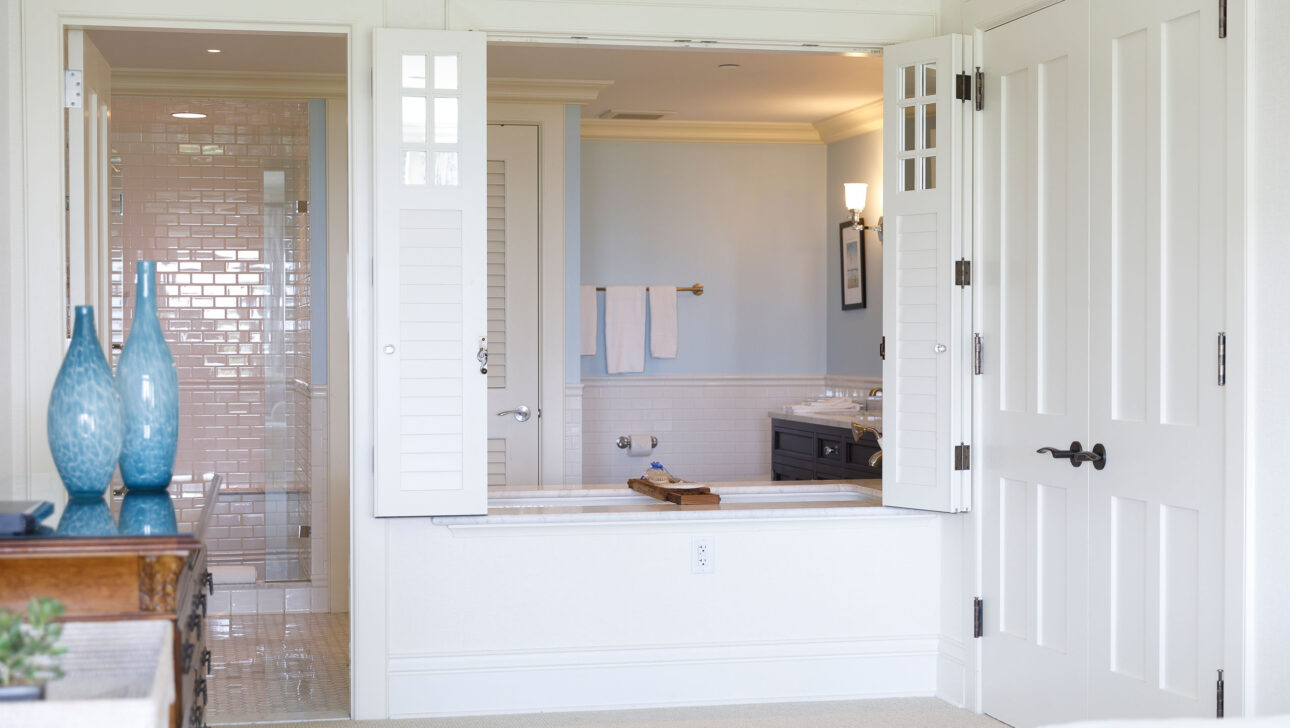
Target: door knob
{"x":1078,"y":455}
{"x":522,"y":413}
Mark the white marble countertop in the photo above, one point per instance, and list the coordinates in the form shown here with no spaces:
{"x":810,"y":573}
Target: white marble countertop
{"x":829,"y":420}
{"x":855,"y":498}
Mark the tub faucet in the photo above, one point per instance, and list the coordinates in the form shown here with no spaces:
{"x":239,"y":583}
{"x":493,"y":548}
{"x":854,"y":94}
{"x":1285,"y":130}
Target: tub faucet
{"x":875,"y":459}
{"x":875,"y":391}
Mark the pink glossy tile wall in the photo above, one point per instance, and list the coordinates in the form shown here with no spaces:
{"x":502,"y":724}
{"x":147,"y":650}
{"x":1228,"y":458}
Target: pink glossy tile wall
{"x":192,"y":197}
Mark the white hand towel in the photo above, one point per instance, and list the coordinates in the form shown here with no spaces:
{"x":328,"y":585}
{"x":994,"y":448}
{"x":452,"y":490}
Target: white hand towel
{"x":662,"y":322}
{"x":625,"y":329}
{"x":590,"y":319}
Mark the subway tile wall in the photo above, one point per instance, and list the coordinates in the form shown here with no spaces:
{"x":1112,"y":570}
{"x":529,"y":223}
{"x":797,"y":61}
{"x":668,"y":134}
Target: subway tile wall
{"x":214,"y":201}
{"x":709,"y":428}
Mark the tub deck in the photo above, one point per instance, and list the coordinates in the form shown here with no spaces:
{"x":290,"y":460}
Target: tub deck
{"x":739,"y":499}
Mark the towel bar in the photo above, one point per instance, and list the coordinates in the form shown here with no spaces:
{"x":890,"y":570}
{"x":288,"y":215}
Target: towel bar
{"x":696,"y":289}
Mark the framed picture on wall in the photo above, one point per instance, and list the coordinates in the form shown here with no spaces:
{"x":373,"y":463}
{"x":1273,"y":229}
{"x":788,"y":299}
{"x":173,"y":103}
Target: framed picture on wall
{"x":851,"y":249}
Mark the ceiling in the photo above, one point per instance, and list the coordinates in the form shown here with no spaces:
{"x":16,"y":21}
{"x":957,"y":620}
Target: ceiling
{"x":766,"y":86}
{"x":186,"y":51}
{"x":762,"y":87}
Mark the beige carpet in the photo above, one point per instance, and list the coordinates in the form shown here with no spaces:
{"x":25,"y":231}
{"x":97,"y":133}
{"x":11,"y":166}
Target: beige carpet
{"x":888,"y":713}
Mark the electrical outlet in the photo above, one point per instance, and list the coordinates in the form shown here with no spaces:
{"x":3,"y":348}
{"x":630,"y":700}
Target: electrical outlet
{"x":703,"y":555}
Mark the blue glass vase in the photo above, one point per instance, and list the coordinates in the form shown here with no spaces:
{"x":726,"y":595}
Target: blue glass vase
{"x":148,"y":514}
{"x":148,"y":383}
{"x":86,"y":517}
{"x":84,"y":421}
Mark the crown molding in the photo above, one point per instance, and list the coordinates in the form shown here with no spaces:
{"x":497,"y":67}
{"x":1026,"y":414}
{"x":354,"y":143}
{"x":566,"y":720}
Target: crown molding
{"x":857,"y":121}
{"x":244,"y":85}
{"x":738,"y":132}
{"x":545,"y":90}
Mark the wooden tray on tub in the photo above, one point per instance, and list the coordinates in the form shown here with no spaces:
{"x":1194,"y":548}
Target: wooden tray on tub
{"x":700,"y":496}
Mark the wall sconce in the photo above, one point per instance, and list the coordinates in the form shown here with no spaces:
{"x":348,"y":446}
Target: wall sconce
{"x":855,"y":194}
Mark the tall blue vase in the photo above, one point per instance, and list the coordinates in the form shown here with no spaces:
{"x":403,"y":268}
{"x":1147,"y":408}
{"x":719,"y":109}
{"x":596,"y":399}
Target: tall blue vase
{"x":84,"y":422}
{"x":148,"y":383}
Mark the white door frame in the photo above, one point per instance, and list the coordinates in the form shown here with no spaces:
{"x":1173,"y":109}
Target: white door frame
{"x":983,"y":15}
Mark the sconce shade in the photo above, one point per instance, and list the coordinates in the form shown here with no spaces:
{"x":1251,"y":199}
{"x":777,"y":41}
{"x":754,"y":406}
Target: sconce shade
{"x":855,"y":193}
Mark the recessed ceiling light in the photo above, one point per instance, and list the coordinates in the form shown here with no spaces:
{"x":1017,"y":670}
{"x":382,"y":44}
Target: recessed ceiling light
{"x":728,"y":66}
{"x":214,"y":50}
{"x":188,"y":115}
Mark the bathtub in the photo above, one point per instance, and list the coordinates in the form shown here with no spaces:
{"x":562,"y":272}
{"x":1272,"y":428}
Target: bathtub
{"x":743,"y":499}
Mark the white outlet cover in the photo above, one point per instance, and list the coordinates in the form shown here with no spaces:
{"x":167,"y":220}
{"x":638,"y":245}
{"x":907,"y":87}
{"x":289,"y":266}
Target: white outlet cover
{"x":703,"y":555}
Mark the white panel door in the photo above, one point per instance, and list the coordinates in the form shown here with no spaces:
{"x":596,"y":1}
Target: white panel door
{"x":88,"y":181}
{"x":513,"y":419}
{"x":924,"y":373}
{"x":1158,"y":248}
{"x":430,"y":244}
{"x":1033,"y":273}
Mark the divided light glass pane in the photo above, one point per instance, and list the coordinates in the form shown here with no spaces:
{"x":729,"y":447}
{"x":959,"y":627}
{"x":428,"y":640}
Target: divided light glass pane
{"x":907,"y":173}
{"x":414,"y":168}
{"x":929,"y":79}
{"x":445,"y":72}
{"x":414,"y":70}
{"x":909,"y":129}
{"x":445,"y":169}
{"x":414,"y":120}
{"x":929,"y":126}
{"x":910,"y":89}
{"x":445,"y":121}
{"x":929,"y":173}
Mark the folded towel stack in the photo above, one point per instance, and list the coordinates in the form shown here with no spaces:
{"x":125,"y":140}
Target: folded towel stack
{"x":832,"y":406}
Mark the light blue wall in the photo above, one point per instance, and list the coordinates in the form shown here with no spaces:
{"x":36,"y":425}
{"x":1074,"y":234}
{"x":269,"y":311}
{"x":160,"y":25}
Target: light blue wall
{"x":743,"y":219}
{"x":572,"y":239}
{"x":853,"y":335}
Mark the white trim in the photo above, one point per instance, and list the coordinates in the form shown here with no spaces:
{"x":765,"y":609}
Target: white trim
{"x":665,"y":130}
{"x":443,"y":684}
{"x":857,"y":121}
{"x":544,"y":90}
{"x":248,"y":85}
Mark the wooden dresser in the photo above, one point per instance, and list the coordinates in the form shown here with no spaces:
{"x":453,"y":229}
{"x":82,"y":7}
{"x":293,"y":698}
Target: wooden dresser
{"x":125,"y":577}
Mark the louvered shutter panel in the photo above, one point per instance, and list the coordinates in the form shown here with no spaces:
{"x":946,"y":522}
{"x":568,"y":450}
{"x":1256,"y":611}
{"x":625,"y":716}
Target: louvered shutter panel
{"x":429,"y":92}
{"x":925,"y":315}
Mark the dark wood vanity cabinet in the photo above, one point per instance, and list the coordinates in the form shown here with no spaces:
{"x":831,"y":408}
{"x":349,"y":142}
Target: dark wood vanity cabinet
{"x":802,"y":451}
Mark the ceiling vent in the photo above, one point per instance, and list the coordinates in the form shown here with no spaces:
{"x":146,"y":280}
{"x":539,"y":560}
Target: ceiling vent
{"x":634,"y":115}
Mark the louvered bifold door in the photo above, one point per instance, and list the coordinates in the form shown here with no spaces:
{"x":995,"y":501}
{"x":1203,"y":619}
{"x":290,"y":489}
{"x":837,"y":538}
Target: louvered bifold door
{"x":924,"y":184}
{"x":429,"y":93}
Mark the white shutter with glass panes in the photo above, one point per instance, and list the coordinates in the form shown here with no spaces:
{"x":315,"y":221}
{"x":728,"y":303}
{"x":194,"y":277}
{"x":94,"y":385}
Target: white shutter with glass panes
{"x":429,"y":184}
{"x":925,"y":315}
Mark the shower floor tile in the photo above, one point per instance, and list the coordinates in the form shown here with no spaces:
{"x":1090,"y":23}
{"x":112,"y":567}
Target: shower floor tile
{"x":278,"y":668}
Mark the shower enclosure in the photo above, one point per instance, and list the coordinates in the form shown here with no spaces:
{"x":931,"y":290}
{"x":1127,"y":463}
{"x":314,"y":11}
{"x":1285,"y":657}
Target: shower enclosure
{"x":222,"y":203}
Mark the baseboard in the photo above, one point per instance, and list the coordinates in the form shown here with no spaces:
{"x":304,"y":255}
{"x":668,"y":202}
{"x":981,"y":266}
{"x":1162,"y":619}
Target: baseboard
{"x":664,"y":676}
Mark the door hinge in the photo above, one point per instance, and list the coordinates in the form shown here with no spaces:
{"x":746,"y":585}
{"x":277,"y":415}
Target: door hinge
{"x":882,"y":349}
{"x":67,"y":203}
{"x":962,"y":457}
{"x":980,"y":89}
{"x":962,"y":272}
{"x":1222,"y":358}
{"x":978,"y":617}
{"x":1222,"y":18}
{"x":1219,"y":694}
{"x":978,"y":355}
{"x":302,"y":206}
{"x":73,"y":89}
{"x":963,"y":87}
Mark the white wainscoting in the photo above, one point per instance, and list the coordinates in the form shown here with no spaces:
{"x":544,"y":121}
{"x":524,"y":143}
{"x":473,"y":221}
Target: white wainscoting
{"x":708,"y":428}
{"x":510,"y":619}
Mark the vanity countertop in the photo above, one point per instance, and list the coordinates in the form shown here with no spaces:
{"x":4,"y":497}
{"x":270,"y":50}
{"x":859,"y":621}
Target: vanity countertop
{"x":830,"y":420}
